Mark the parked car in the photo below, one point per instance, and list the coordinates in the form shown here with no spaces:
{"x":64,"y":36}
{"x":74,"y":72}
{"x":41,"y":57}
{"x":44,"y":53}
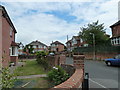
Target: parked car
{"x":51,"y":54}
{"x":113,"y":61}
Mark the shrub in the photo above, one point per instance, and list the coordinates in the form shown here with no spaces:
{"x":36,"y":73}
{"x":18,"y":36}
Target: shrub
{"x":7,"y":78}
{"x":41,"y":54}
{"x":57,"y":75}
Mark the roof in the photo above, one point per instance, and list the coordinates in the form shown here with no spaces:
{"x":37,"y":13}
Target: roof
{"x":14,"y":44}
{"x":68,"y":41}
{"x":116,"y":24}
{"x":76,"y":37}
{"x":37,"y":43}
{"x":5,"y":15}
{"x":57,"y":42}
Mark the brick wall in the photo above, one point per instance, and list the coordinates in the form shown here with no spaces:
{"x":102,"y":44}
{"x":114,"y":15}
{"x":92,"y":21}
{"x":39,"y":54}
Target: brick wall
{"x":100,"y":56}
{"x":56,"y":60}
{"x":75,"y":81}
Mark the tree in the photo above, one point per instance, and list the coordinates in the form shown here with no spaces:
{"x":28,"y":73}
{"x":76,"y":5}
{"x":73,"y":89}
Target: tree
{"x":95,"y":29}
{"x":29,"y":48}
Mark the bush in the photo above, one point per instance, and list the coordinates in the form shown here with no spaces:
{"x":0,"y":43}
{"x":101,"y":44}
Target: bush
{"x":7,"y":78}
{"x":43,"y":62}
{"x":57,"y":75}
{"x":41,"y":54}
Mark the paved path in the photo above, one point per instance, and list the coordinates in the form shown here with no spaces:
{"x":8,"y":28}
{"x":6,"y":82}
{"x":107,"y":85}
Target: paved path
{"x":31,"y":76}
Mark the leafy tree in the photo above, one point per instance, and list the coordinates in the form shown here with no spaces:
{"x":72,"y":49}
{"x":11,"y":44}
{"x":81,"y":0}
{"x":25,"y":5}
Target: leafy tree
{"x":95,"y":29}
{"x":30,"y":50}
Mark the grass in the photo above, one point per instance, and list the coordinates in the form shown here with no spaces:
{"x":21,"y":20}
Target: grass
{"x":30,"y":68}
{"x":33,"y":83}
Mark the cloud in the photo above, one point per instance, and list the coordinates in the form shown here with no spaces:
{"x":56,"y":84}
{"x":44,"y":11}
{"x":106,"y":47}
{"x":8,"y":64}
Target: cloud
{"x":32,"y":23}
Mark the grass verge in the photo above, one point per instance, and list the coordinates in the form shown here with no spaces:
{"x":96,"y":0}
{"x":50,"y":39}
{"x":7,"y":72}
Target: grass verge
{"x":30,"y":68}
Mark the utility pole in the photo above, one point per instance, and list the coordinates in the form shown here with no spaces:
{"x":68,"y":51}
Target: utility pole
{"x":93,"y":45}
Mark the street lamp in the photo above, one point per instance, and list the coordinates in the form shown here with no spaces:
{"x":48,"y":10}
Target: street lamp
{"x":93,"y":45}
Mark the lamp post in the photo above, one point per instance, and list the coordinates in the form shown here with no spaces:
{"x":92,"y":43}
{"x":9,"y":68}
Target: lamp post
{"x":93,"y":45}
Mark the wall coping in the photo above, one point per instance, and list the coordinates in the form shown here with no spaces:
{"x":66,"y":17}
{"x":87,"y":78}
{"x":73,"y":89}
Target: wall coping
{"x":75,"y":81}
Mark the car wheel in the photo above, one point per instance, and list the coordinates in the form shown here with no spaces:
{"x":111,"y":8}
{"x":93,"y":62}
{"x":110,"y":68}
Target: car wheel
{"x":108,"y":63}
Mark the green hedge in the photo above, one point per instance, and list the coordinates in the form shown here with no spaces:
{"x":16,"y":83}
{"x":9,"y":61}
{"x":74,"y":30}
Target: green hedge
{"x":102,"y":49}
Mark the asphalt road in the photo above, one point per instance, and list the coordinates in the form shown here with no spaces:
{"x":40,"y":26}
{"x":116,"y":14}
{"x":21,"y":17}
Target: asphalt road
{"x":100,"y":75}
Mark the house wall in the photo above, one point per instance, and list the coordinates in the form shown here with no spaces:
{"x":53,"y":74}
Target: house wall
{"x":60,"y":48}
{"x":116,"y":31}
{"x":6,"y":42}
{"x":0,"y":38}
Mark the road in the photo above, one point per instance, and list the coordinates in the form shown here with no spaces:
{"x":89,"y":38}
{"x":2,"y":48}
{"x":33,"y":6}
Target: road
{"x":100,"y":75}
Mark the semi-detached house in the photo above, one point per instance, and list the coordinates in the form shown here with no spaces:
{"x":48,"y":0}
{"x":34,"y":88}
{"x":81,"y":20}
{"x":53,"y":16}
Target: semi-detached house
{"x":8,"y":46}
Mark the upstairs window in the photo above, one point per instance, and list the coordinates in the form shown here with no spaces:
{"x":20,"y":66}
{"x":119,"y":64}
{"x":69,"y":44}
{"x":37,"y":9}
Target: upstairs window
{"x":11,"y":32}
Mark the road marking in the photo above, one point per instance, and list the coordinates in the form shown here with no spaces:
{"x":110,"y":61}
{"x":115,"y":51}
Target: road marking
{"x":98,"y":84}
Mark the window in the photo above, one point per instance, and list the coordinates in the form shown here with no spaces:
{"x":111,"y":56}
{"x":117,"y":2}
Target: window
{"x":11,"y":31}
{"x":13,"y":51}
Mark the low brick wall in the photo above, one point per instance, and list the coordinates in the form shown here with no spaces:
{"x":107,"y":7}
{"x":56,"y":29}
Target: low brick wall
{"x":14,"y":59}
{"x":100,"y":56}
{"x":56,"y":60}
{"x":75,"y":81}
{"x":70,"y":69}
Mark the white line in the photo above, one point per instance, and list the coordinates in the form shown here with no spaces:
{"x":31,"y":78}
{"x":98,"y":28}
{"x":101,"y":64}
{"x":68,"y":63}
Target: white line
{"x":98,"y":83}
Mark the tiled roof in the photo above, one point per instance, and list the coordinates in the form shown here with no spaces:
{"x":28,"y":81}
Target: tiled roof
{"x":14,"y":44}
{"x":36,"y":43}
{"x":117,"y":23}
{"x":57,"y":42}
{"x":68,"y":41}
{"x":76,"y":37}
{"x":5,"y":15}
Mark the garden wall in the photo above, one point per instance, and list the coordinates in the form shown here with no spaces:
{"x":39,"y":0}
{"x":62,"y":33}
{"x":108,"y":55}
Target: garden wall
{"x":100,"y":56}
{"x":76,"y":80}
{"x":56,"y":60}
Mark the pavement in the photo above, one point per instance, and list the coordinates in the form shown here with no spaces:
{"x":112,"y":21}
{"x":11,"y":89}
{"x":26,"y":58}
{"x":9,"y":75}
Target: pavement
{"x":31,"y":76}
{"x":100,"y":75}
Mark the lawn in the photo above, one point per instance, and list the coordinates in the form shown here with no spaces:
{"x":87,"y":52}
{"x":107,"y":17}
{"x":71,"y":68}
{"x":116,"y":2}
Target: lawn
{"x":32,"y":83}
{"x":31,"y":67}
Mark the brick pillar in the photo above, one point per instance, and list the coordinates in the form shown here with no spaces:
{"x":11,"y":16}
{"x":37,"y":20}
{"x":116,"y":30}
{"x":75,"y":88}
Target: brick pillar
{"x":78,"y":61}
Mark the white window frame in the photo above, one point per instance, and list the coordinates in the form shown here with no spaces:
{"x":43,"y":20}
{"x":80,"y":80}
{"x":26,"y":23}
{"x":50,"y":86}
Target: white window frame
{"x":15,"y":51}
{"x":11,"y":30}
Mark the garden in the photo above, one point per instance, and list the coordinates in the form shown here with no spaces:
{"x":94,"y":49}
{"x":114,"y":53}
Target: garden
{"x":54,"y":75}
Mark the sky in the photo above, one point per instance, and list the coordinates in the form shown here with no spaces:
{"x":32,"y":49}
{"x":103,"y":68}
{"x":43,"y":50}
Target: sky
{"x":51,"y":21}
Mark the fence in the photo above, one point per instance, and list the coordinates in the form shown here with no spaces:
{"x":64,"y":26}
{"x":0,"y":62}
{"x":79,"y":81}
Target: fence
{"x":99,"y":49}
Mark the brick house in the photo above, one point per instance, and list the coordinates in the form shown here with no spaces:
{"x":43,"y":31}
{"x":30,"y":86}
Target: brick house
{"x":75,"y":42}
{"x":115,"y":39}
{"x":8,"y":47}
{"x":57,"y":46}
{"x":38,"y":46}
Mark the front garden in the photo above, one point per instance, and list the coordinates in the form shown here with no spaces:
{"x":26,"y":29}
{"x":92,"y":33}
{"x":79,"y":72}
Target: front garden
{"x":40,"y":66}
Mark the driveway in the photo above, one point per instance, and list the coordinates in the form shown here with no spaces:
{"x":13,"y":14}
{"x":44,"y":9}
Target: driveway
{"x":100,"y":75}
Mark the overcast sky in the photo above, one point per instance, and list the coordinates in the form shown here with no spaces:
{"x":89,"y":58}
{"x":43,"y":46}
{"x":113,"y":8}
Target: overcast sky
{"x":51,"y":21}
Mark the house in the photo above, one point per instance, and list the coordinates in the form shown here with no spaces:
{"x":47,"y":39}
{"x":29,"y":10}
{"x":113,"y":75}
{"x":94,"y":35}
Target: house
{"x":8,"y":46}
{"x":69,"y":45}
{"x":37,"y":46}
{"x":57,"y":46}
{"x":75,"y":42}
{"x":115,"y":39}
{"x":21,"y":48}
